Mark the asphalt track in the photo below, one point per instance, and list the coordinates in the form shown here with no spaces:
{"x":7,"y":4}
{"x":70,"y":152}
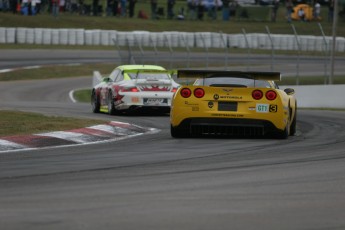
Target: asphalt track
{"x":156,"y":182}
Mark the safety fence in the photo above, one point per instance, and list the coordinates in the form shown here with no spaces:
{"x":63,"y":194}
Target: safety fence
{"x":168,"y":39}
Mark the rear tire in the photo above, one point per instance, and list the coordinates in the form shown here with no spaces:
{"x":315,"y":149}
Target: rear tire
{"x":283,"y":134}
{"x":95,"y":102}
{"x":293,"y":125}
{"x":177,"y":132}
{"x":111,"y":106}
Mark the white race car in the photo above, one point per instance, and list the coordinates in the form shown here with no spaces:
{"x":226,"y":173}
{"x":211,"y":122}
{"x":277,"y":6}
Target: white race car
{"x":132,"y":87}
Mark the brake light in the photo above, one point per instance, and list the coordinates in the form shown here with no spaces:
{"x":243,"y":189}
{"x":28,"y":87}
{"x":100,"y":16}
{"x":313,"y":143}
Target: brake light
{"x":257,"y":94}
{"x":185,"y":92}
{"x":271,"y":95}
{"x":199,"y":93}
{"x":132,"y":89}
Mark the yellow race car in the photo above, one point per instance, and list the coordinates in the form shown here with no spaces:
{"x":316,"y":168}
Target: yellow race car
{"x":232,"y":103}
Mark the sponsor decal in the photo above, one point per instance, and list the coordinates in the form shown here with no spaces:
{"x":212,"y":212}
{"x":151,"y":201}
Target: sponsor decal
{"x":262,"y":108}
{"x":216,"y":97}
{"x":135,"y":99}
{"x":266,"y":108}
{"x":231,"y":97}
{"x":190,"y":104}
{"x":227,"y":90}
{"x":227,"y":115}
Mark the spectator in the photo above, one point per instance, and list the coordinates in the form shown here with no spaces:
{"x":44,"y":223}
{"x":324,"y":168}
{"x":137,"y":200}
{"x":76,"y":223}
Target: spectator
{"x":13,"y":6}
{"x":192,"y":5}
{"x":95,"y":4}
{"x":109,"y":9}
{"x":131,"y":8}
{"x":289,"y":8}
{"x":153,"y":9}
{"x":180,"y":15}
{"x":115,"y":8}
{"x":331,"y":11}
{"x":301,"y":14}
{"x":317,"y":11}
{"x":55,"y":7}
{"x":123,"y":7}
{"x":275,"y":8}
{"x":38,"y":6}
{"x":200,"y":9}
{"x":226,"y":10}
{"x":62,"y":5}
{"x":170,"y":9}
{"x":25,"y":7}
{"x":232,"y":9}
{"x":142,"y":15}
{"x":212,"y":9}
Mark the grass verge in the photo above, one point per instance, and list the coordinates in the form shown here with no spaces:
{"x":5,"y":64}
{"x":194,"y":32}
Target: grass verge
{"x":58,"y":71}
{"x":20,"y":123}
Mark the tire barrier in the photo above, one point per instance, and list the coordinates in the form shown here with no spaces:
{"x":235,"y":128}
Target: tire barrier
{"x":169,"y":39}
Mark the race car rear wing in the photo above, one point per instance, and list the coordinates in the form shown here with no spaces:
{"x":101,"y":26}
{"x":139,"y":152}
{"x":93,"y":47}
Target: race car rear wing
{"x":150,"y":71}
{"x":268,"y":76}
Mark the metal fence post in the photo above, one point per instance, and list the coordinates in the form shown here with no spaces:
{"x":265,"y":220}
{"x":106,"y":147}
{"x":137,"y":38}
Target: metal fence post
{"x":272,"y":47}
{"x":116,"y":43}
{"x":139,"y":42}
{"x":226,"y":50}
{"x":299,"y":54}
{"x":170,"y":49}
{"x":154,"y":48}
{"x":247,"y":45}
{"x":325,"y":48}
{"x":206,"y":48}
{"x":131,"y":59}
{"x":187,"y":48}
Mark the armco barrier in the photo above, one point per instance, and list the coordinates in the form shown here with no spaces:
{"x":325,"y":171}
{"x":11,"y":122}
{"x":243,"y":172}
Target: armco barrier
{"x":319,"y":96}
{"x":169,"y":39}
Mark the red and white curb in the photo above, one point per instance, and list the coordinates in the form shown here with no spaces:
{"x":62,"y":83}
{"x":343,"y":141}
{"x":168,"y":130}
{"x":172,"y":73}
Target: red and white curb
{"x":112,"y":131}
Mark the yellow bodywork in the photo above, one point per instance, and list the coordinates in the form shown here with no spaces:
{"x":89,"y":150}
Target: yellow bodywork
{"x":247,"y":107}
{"x":236,"y":103}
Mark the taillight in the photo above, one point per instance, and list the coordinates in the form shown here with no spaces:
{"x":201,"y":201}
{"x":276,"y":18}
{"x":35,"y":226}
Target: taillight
{"x":185,"y":92}
{"x":174,"y":90}
{"x":132,"y":89}
{"x":199,"y":93}
{"x":271,"y":95}
{"x":257,"y":94}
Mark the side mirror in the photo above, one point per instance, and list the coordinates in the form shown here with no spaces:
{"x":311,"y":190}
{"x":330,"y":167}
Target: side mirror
{"x":289,"y":91}
{"x":106,"y":79}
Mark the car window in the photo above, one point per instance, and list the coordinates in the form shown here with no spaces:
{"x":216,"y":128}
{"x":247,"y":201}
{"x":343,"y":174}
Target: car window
{"x":232,"y":82}
{"x":119,"y":77}
{"x":148,"y":76}
{"x":114,"y":74}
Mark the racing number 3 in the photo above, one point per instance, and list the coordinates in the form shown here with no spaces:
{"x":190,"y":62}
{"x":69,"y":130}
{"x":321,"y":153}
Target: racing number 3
{"x":273,"y":108}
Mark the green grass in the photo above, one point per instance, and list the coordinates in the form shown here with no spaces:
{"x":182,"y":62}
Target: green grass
{"x":48,"y":72}
{"x":82,"y":95}
{"x":20,"y":123}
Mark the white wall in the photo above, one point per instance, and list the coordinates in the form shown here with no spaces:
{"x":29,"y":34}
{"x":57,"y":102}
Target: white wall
{"x":319,"y":96}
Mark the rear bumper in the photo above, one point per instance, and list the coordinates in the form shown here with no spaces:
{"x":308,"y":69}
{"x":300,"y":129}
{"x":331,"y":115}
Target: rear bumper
{"x":227,"y":127}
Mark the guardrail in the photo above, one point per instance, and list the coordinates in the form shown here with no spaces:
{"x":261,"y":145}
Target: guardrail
{"x":171,"y":39}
